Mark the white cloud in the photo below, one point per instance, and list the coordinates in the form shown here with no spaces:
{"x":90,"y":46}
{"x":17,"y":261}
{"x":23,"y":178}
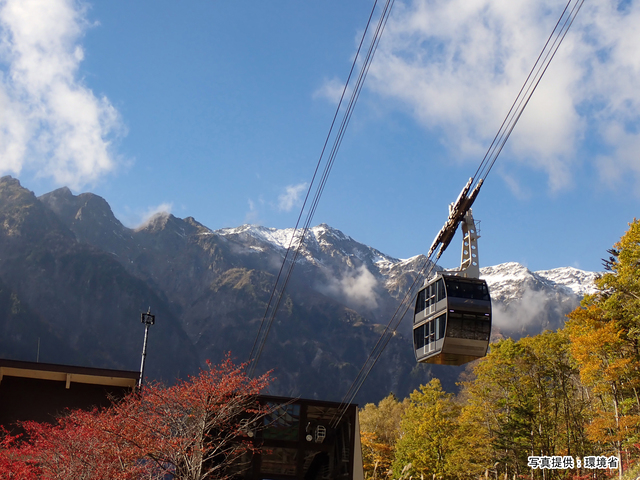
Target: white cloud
{"x":139,"y":218}
{"x":252,"y":214}
{"x":457,"y":65}
{"x":359,"y":288}
{"x":330,"y":90}
{"x":164,"y":209}
{"x":291,"y":197}
{"x":517,"y":188}
{"x":356,"y":287}
{"x":50,"y":122}
{"x":532,"y":312}
{"x":255,"y":207}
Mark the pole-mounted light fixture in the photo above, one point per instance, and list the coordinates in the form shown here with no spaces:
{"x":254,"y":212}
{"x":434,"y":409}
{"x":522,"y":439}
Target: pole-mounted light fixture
{"x":148,"y":319}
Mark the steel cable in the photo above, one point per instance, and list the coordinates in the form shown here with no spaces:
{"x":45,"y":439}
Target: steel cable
{"x":293,"y":250}
{"x":522,"y":99}
{"x":528,"y":88}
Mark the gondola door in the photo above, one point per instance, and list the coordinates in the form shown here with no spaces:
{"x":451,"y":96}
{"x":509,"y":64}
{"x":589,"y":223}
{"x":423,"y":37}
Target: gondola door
{"x":431,"y":335}
{"x":431,"y":299}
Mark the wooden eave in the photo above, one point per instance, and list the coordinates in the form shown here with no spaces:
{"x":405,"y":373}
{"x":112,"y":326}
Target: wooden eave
{"x":68,"y":373}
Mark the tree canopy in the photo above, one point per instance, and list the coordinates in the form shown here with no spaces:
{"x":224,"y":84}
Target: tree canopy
{"x":192,"y":430}
{"x":565,"y":396}
{"x":380,"y":430}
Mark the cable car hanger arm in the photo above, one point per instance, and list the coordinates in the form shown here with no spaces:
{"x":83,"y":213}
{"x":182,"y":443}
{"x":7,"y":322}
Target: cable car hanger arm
{"x":457,"y":211}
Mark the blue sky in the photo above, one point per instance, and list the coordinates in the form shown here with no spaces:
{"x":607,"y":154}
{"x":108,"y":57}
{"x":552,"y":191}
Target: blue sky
{"x":218,"y":110}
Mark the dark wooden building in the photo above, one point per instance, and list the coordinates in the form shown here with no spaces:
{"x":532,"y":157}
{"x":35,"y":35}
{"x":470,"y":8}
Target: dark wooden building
{"x":43,"y":391}
{"x":301,"y":440}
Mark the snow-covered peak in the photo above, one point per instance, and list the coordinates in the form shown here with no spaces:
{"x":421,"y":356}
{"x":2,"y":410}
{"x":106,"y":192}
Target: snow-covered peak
{"x":328,"y":246}
{"x":506,"y":279}
{"x":279,"y":237}
{"x":324,"y":229}
{"x":321,"y":238}
{"x":578,"y":281}
{"x":282,"y":237}
{"x":403,"y":262}
{"x":505,"y":271}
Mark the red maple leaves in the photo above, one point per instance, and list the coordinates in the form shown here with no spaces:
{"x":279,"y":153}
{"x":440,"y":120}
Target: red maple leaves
{"x":193,"y":430}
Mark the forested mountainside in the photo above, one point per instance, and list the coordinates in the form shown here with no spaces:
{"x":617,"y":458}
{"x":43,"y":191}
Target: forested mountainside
{"x":72,"y":275}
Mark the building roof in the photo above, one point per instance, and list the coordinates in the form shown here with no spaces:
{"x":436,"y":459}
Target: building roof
{"x":68,"y":373}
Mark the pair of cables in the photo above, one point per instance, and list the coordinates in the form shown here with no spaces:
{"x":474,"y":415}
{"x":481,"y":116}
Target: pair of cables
{"x":336,"y":134}
{"x":426,"y":269}
{"x":571,"y":10}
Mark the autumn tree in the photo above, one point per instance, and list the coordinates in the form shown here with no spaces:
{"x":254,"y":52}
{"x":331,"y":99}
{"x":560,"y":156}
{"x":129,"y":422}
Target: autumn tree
{"x":527,"y":401}
{"x":194,"y":430}
{"x":380,"y":430}
{"x":471,"y":450}
{"x":605,"y":333}
{"x":428,"y":428}
{"x":77,"y":447}
{"x":14,"y":463}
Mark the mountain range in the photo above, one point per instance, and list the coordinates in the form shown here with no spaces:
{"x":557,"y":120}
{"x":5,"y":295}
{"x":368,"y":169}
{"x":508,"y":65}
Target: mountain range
{"x":74,"y":280}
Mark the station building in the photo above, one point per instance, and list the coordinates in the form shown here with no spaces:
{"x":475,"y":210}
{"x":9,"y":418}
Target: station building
{"x":307,"y":440}
{"x":300,"y":439}
{"x":42,"y":391}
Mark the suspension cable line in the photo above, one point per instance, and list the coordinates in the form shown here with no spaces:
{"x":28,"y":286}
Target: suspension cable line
{"x":528,"y":88}
{"x":297,"y":239}
{"x":515,"y":112}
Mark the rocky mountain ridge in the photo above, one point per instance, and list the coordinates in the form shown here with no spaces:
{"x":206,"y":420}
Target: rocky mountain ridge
{"x":521,"y":297}
{"x":81,"y":279}
{"x":505,"y":279}
{"x":526,"y":302}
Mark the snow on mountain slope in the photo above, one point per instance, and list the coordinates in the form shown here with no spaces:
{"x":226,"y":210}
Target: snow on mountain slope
{"x":278,"y":237}
{"x":321,"y":242}
{"x":526,"y":302}
{"x":507,"y":281}
{"x":578,"y":281}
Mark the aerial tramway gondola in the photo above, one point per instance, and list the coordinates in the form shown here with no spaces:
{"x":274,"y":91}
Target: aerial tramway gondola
{"x":452,"y":316}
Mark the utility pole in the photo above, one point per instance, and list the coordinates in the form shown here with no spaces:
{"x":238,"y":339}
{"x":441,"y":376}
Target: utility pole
{"x":148,"y":320}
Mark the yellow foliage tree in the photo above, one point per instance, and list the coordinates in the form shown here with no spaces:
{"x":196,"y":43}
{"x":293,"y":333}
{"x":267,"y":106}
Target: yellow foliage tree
{"x":380,"y":430}
{"x":428,"y":427}
{"x":523,"y":401}
{"x":605,"y":333}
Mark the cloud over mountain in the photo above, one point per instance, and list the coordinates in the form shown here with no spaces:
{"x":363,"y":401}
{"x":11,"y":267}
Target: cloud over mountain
{"x":291,"y":197}
{"x":356,"y":287}
{"x":525,"y":302}
{"x":81,"y":279}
